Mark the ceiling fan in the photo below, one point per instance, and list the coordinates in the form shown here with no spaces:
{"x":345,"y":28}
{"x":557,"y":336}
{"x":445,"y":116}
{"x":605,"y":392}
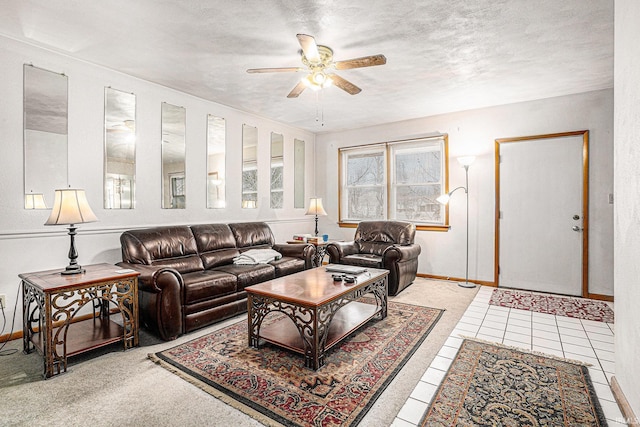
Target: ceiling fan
{"x":319,"y":65}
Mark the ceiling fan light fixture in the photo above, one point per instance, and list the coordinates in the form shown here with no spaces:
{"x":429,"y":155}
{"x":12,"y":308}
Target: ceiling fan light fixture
{"x":319,"y":78}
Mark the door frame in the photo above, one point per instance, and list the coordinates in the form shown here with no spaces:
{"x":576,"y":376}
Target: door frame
{"x":585,"y":200}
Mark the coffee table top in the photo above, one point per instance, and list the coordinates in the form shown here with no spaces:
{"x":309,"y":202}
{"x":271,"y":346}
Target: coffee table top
{"x":313,"y":287}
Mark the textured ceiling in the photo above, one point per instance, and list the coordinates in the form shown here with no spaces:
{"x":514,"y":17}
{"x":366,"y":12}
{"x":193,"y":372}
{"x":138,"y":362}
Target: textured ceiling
{"x":442,"y":55}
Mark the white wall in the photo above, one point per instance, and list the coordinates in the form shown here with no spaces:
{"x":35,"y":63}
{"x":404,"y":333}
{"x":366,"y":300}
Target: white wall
{"x":474,"y":133}
{"x":627,"y":201}
{"x":26,"y":245}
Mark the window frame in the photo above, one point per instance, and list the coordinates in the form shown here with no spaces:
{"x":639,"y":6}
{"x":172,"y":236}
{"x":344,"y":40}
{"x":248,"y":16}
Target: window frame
{"x":390,"y":149}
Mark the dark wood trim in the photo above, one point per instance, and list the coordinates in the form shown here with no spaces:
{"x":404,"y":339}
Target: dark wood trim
{"x":585,"y":201}
{"x":623,"y":404}
{"x":14,"y":336}
{"x":601,"y":297}
{"x":418,"y":227}
{"x":455,"y":279}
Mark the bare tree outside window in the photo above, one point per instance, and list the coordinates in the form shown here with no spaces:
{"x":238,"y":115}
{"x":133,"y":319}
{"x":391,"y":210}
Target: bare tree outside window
{"x":405,"y":188}
{"x":365,"y":186}
{"x":417,"y":183}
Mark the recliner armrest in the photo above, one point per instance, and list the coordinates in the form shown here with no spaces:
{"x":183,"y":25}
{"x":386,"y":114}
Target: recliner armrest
{"x":338,"y":250}
{"x":400,"y":253}
{"x":150,"y":279}
{"x":296,"y":250}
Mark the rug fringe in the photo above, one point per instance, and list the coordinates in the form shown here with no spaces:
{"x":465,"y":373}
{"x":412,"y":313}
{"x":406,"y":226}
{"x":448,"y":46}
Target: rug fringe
{"x":267,"y":421}
{"x":525,"y":350}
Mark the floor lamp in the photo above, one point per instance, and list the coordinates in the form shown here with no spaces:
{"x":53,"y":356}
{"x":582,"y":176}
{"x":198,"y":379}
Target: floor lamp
{"x":444,"y":199}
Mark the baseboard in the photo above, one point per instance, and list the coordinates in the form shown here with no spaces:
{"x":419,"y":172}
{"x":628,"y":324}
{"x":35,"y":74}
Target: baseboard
{"x":456,"y":279}
{"x":10,"y":337}
{"x":623,"y":404}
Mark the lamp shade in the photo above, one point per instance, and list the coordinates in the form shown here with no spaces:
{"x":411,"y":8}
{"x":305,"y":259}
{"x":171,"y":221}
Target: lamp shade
{"x":444,"y":199}
{"x":70,"y":206}
{"x":34,"y":201}
{"x":248,"y":204}
{"x":315,"y":207}
{"x":466,"y":160}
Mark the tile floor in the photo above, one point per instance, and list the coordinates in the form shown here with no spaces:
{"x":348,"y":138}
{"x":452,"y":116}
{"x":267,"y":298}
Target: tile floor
{"x":583,"y":340}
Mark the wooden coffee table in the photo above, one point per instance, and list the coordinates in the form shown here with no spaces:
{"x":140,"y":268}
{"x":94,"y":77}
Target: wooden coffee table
{"x":320,"y":312}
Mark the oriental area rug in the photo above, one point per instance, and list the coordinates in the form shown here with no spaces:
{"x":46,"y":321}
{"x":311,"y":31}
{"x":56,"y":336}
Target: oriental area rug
{"x":494,"y":385}
{"x":579,"y":308}
{"x":273,"y":386}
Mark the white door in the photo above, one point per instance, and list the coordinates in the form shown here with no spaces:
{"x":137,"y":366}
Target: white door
{"x":541,"y":218}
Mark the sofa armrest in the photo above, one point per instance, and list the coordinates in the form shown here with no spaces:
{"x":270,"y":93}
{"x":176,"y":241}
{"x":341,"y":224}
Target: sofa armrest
{"x":399,"y":253}
{"x":160,"y":299}
{"x":305,"y":252}
{"x":338,"y":250}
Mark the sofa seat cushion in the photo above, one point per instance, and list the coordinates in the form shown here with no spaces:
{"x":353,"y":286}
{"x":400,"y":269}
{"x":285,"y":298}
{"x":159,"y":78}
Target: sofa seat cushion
{"x":287,"y":265}
{"x":364,"y":260}
{"x":208,"y":284}
{"x":248,"y":275}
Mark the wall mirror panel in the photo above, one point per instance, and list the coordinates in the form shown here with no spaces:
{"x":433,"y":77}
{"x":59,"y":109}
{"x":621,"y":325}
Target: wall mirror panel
{"x":119,"y":149}
{"x":249,"y":167}
{"x":277,"y":170}
{"x":216,"y":154}
{"x":45,"y":136}
{"x":298,"y":174}
{"x":173,"y":156}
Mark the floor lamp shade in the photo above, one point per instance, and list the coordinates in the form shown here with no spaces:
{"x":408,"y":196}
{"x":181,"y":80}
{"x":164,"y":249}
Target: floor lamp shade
{"x":316,"y":208}
{"x":70,"y":207}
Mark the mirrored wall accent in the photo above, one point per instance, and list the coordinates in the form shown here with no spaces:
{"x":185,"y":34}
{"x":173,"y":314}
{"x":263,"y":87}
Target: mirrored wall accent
{"x":298,"y":174}
{"x":173,"y":156}
{"x":45,"y":136}
{"x":277,"y":170}
{"x":216,"y":154}
{"x":119,"y":149}
{"x":249,"y":167}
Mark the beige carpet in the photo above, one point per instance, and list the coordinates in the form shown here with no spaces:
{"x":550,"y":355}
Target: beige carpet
{"x":127,"y":389}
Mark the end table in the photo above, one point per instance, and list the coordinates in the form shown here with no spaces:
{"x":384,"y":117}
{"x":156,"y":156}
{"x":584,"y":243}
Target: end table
{"x":64,"y":315}
{"x":321,"y":250}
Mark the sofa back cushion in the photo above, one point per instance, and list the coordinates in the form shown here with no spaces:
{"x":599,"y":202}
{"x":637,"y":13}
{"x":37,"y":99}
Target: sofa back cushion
{"x":252,"y":234}
{"x":375,"y":236}
{"x":171,"y":246}
{"x":216,"y":244}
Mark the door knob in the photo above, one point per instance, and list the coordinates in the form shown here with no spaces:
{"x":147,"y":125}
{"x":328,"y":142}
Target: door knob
{"x":576,"y":228}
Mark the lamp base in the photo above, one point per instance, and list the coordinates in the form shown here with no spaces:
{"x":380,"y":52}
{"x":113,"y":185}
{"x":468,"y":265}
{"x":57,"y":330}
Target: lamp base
{"x":466,"y":285}
{"x":73,"y":269}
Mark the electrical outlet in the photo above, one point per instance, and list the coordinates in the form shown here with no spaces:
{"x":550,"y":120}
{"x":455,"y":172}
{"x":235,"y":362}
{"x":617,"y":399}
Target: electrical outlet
{"x":3,"y":300}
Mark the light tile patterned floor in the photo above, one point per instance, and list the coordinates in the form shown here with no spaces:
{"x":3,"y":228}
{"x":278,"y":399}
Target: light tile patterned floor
{"x":585,"y":340}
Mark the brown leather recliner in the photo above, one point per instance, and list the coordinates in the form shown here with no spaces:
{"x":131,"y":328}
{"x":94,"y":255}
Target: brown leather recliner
{"x":382,"y":244}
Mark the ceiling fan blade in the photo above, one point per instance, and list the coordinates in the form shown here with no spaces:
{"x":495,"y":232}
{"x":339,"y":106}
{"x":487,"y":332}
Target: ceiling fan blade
{"x":275,"y":70}
{"x":309,"y":47}
{"x":345,"y":85}
{"x":365,"y":61}
{"x":296,"y":91}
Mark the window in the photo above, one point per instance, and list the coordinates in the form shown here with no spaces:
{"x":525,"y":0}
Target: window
{"x":397,"y":180}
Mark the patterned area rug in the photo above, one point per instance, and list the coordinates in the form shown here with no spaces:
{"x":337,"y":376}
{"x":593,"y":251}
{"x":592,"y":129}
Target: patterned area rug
{"x":492,"y":385}
{"x":273,"y":386}
{"x":560,"y":306}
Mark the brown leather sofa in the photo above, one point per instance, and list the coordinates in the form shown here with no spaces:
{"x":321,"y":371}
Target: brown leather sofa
{"x":382,"y":244}
{"x":188,"y":279}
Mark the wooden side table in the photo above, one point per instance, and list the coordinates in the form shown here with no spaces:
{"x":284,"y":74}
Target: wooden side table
{"x":321,"y":250}
{"x":65,"y":315}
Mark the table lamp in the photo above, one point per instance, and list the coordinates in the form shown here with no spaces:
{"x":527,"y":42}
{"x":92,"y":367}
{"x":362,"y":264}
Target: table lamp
{"x":70,"y":207}
{"x":315,"y":208}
